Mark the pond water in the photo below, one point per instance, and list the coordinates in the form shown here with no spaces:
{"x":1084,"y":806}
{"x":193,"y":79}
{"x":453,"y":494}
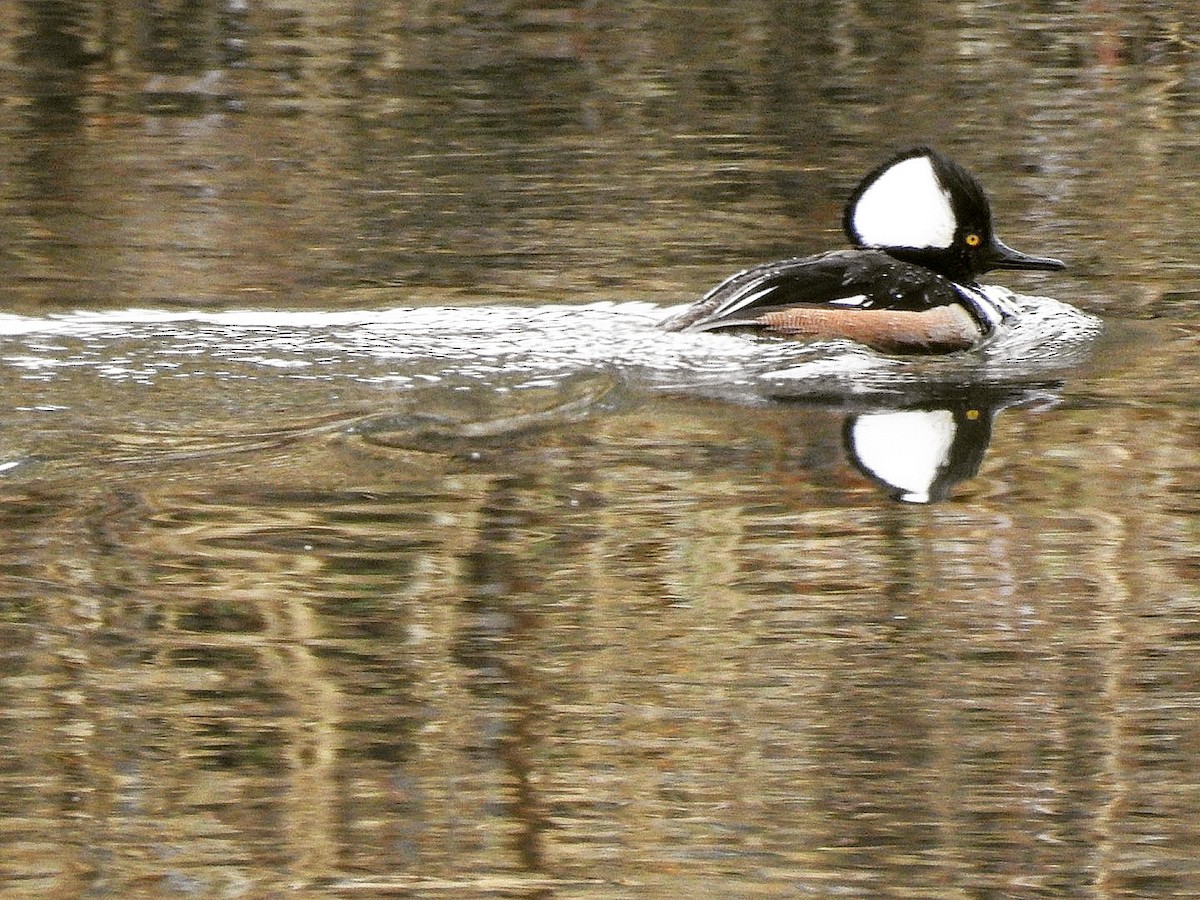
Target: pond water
{"x":363,"y":536}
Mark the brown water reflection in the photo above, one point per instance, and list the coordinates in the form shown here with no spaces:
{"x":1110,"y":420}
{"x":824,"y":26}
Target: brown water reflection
{"x":536,"y":151}
{"x":293,"y":610}
{"x":623,"y":659}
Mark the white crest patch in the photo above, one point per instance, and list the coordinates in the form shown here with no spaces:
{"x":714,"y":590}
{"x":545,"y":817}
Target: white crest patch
{"x":906,"y":449}
{"x":906,"y":206}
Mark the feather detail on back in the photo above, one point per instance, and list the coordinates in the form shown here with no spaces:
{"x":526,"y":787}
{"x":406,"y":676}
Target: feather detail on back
{"x":850,"y":282}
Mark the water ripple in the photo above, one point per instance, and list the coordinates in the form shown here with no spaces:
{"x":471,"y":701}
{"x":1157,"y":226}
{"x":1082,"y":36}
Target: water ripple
{"x":511,"y":345}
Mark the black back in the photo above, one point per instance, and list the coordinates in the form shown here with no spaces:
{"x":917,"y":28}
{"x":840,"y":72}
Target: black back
{"x":879,"y":279}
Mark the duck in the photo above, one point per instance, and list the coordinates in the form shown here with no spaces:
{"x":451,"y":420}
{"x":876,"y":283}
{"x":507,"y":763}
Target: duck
{"x":921,"y":231}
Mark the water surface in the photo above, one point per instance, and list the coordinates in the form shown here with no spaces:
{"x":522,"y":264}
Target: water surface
{"x":363,"y":537}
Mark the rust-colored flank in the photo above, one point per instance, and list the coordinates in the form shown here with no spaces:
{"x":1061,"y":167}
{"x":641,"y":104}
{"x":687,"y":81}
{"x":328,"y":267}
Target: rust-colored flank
{"x":942,"y":329}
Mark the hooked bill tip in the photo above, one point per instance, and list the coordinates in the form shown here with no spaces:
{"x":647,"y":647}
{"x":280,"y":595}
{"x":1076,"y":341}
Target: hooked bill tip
{"x":1005,"y":257}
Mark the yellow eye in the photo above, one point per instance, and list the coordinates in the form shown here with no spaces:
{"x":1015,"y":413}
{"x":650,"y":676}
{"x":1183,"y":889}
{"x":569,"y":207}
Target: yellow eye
{"x":972,"y":240}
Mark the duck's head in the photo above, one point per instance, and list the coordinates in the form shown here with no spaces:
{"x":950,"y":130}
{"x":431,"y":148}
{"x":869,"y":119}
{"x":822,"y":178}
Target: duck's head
{"x":921,"y":207}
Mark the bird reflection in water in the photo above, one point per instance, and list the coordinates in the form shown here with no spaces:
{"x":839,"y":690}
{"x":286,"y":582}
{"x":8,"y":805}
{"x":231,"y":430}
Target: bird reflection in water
{"x":918,"y":450}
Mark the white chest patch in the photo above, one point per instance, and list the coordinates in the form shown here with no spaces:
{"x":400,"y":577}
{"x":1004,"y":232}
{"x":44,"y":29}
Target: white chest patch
{"x":906,"y":449}
{"x":906,"y":206}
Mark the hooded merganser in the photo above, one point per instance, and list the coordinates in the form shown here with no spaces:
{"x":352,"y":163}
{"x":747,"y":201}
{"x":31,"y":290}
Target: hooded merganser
{"x":922,"y":229}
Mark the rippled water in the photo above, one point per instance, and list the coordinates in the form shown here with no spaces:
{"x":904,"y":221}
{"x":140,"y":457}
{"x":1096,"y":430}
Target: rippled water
{"x":362,"y":536}
{"x":374,"y":371}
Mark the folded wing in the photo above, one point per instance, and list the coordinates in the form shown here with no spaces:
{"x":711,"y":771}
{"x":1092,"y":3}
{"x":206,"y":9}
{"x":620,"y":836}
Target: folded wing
{"x":844,"y":280}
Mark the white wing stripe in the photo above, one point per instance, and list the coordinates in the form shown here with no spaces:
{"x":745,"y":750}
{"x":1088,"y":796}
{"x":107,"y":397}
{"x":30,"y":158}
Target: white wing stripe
{"x":736,"y":303}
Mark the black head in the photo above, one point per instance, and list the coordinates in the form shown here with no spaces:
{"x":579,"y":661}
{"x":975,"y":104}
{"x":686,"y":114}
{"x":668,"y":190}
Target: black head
{"x":921,"y":207}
